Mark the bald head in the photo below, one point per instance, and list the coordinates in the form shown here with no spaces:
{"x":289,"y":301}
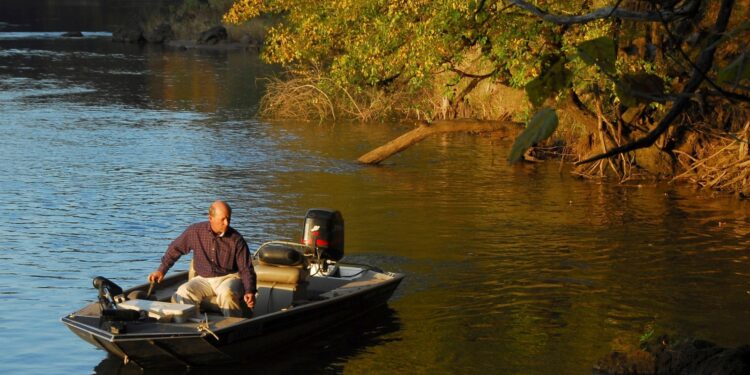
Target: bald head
{"x":219,"y":215}
{"x":219,"y":206}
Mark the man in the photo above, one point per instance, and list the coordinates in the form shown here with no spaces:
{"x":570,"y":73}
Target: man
{"x":221,"y":261}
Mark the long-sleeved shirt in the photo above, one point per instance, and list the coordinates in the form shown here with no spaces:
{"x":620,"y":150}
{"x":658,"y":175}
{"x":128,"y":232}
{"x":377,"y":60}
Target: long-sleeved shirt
{"x":212,"y":255}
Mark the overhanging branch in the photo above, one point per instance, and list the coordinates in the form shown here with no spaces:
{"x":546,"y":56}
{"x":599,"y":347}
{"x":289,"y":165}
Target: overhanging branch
{"x":614,"y":11}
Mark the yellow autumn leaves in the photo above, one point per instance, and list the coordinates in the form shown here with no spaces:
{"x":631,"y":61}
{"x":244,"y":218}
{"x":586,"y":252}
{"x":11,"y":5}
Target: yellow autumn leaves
{"x":243,"y":10}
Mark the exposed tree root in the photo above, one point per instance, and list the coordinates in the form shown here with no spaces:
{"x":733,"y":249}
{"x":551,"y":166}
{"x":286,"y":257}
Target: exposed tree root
{"x":723,"y":164}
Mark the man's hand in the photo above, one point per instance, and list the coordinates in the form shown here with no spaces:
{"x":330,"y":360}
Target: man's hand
{"x":156,"y":276}
{"x":250,"y":300}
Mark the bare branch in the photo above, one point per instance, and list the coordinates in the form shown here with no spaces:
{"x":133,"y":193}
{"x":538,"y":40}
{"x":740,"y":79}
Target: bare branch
{"x":471,"y":75}
{"x":614,"y":11}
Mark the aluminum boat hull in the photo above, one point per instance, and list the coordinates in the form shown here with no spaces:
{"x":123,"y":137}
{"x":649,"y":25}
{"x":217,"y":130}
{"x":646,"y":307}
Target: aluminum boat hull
{"x":151,"y":344}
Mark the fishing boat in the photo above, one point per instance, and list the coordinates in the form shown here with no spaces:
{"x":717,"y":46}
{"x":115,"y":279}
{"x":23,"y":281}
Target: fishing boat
{"x":303,"y":289}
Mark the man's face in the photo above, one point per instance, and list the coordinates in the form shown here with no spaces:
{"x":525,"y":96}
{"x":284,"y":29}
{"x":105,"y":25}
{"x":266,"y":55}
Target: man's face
{"x":220,"y":220}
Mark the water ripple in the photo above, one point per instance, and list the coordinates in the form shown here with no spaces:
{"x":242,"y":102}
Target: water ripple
{"x":109,"y":154}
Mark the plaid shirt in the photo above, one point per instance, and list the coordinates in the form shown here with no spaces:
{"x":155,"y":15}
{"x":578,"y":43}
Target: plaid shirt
{"x":212,"y":255}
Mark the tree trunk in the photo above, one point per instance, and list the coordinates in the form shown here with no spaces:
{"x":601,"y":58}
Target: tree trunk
{"x":424,"y":130}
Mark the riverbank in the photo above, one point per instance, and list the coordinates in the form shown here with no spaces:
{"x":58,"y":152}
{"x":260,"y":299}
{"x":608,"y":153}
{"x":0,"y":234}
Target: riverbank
{"x":223,"y":46}
{"x":614,"y":102}
{"x":713,"y":161}
{"x":664,"y":355}
{"x":336,"y":75}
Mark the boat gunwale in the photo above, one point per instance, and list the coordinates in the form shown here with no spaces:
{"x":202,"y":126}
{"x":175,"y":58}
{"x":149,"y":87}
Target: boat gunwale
{"x":112,"y":337}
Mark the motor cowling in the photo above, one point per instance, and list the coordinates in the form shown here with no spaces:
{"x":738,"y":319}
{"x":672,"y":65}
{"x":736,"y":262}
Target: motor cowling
{"x":324,"y":231}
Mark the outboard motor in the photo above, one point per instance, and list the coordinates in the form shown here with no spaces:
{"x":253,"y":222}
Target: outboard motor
{"x":324,"y":233}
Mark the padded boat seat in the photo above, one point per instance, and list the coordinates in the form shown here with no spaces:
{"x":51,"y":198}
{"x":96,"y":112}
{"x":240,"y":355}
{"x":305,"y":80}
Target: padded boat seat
{"x":279,"y":286}
{"x":270,"y":274}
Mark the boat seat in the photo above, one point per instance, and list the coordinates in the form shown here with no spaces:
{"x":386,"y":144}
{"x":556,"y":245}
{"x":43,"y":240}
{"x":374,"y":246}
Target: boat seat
{"x":270,"y":273}
{"x":279,"y":286}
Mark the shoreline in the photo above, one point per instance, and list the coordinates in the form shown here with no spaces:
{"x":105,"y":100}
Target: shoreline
{"x":221,"y":46}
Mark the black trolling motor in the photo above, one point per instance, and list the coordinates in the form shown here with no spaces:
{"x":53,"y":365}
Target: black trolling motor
{"x":112,"y":318}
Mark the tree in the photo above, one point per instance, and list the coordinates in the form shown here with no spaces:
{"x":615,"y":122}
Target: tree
{"x":646,"y":72}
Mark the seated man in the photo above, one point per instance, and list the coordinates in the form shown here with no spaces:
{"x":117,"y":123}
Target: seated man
{"x":221,"y":259}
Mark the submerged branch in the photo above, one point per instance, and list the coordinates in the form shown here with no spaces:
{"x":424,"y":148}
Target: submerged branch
{"x":425,"y":130}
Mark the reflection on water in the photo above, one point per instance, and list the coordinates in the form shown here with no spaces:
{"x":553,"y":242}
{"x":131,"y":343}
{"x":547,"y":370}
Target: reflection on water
{"x":110,"y":150}
{"x":325,"y":352}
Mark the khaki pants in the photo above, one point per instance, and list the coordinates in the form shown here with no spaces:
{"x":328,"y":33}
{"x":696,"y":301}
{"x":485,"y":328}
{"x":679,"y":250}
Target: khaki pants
{"x":227,"y":289}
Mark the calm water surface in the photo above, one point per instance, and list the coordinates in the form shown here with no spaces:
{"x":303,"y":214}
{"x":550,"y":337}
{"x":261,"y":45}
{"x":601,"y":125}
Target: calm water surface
{"x":108,"y":151}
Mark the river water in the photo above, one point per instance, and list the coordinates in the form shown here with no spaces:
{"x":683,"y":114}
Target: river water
{"x":109,"y":150}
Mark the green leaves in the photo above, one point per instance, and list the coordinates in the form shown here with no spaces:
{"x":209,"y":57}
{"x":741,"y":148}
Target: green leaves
{"x":631,"y":88}
{"x":599,"y":52}
{"x":541,"y":127}
{"x":548,"y":83}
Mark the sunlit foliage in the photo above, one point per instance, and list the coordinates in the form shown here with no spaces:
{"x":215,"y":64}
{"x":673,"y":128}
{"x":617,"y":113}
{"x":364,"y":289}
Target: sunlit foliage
{"x":622,"y":62}
{"x":374,"y":42}
{"x":409,"y":43}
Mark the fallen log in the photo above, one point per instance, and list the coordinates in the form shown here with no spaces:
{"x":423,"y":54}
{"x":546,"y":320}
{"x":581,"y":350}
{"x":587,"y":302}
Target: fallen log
{"x":506,"y":128}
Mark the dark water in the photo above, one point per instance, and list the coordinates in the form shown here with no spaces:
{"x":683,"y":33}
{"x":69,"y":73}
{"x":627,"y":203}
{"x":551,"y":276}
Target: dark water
{"x":76,"y":15}
{"x":108,"y":151}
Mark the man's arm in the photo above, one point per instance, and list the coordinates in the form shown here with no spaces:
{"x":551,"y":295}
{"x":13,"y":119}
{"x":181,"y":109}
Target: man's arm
{"x":247,"y":272}
{"x":179,"y":247}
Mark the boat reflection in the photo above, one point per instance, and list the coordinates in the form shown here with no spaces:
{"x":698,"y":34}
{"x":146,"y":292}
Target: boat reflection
{"x":326,"y":352}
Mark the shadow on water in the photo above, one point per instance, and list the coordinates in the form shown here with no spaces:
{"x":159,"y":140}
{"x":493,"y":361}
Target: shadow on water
{"x":69,"y":15}
{"x":324,"y":353}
